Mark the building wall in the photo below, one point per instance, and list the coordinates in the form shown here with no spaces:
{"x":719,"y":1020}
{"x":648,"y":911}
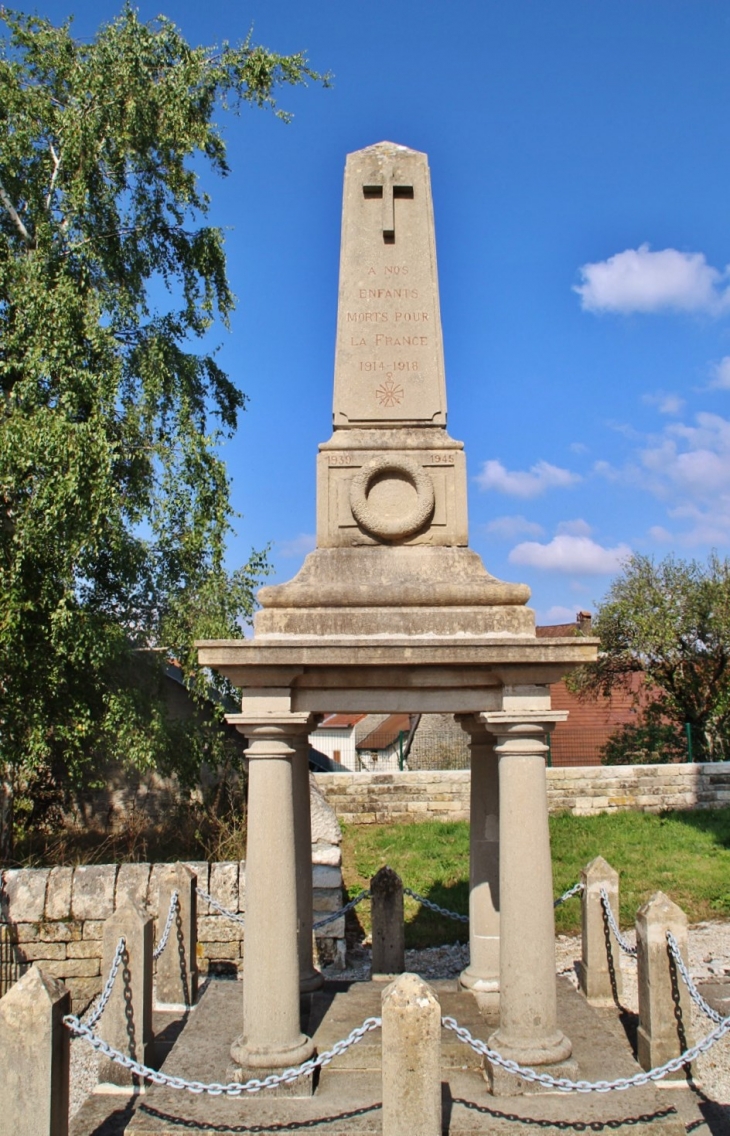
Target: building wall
{"x":381,"y":798}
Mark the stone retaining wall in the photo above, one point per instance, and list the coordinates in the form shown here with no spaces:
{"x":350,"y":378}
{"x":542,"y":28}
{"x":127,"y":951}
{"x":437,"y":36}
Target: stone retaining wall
{"x":370,"y":798}
{"x":55,"y":916}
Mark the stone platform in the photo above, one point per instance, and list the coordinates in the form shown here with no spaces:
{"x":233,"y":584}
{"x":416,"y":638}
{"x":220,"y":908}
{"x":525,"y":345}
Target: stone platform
{"x":348,"y":1097}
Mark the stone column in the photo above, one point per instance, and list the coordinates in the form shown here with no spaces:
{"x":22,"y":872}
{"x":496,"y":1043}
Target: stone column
{"x":34,"y":1056}
{"x":411,"y":1058}
{"x":482,"y":974}
{"x":528,"y":1031}
{"x":309,"y":977}
{"x":600,"y":966}
{"x":272,"y":1036}
{"x":665,"y":1010}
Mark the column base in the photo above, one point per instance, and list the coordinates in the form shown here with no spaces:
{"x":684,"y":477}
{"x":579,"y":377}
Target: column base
{"x":504,"y":1084}
{"x":303,"y":1086}
{"x":308,"y":983}
{"x":485,"y":990}
{"x":274,"y":1060}
{"x":553,"y":1049}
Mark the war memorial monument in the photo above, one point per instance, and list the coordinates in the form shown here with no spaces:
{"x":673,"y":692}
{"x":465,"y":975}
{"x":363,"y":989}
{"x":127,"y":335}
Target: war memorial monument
{"x":392,"y":612}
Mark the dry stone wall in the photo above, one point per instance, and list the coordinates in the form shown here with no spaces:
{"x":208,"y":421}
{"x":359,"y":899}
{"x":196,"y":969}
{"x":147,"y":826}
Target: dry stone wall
{"x":380,"y":798}
{"x":55,"y":916}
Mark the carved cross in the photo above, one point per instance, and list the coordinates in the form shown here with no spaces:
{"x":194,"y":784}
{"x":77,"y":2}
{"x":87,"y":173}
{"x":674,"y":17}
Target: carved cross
{"x":387,"y":192}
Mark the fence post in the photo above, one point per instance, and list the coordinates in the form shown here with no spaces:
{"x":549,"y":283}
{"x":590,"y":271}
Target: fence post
{"x":600,"y":965}
{"x":126,"y":1023}
{"x":388,"y":933}
{"x":411,"y":1058}
{"x":664,"y":1001}
{"x":34,"y":1068}
{"x":176,"y":980}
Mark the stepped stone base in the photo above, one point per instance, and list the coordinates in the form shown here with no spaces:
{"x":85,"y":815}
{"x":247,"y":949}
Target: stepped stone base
{"x":347,"y":1101}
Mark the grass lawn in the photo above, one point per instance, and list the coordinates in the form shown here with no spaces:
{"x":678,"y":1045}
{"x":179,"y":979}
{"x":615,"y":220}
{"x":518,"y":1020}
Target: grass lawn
{"x":685,"y":854}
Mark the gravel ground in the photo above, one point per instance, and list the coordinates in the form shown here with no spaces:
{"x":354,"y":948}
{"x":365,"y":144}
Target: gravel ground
{"x":709,"y":957}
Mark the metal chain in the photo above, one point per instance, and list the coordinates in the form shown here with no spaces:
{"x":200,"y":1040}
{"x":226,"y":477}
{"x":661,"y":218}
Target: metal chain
{"x":343,"y":910}
{"x":575,"y":890}
{"x":435,"y":907}
{"x":108,"y":985}
{"x":622,"y":942}
{"x":214,"y":1089}
{"x":567,"y":1086}
{"x":694,"y":992}
{"x":166,"y":933}
{"x":219,"y":906}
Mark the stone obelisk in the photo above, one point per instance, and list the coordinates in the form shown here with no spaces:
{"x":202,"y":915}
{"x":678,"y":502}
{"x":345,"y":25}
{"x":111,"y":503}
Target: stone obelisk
{"x":392,"y":534}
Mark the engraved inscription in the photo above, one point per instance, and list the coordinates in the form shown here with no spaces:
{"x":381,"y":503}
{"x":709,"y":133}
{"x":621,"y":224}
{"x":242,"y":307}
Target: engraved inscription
{"x":340,"y":459}
{"x":389,"y":330}
{"x":389,"y":393}
{"x":441,"y":458}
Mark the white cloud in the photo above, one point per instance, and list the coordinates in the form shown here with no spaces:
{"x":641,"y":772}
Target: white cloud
{"x":299,"y":546}
{"x":665,"y":403}
{"x":721,"y":374}
{"x":660,"y":534}
{"x":578,"y":448}
{"x":573,"y":554}
{"x":577,"y":527}
{"x":509,"y":527}
{"x":639,"y":280}
{"x":556,"y":614}
{"x":524,"y":483}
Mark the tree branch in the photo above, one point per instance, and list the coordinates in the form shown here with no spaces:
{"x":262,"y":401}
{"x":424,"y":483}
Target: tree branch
{"x":14,"y":215}
{"x":54,"y":175}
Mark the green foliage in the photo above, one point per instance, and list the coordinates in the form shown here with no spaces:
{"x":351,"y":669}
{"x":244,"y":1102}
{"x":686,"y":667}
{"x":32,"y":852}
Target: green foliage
{"x":670,"y":622}
{"x":650,"y":742}
{"x":685,"y":854}
{"x":114,"y":504}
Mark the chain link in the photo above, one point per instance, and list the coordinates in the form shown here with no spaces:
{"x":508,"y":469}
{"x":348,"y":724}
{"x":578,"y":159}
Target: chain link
{"x":435,"y":907}
{"x":343,"y":910}
{"x":622,"y":942}
{"x":567,"y":1086}
{"x":575,"y":890}
{"x":166,"y":933}
{"x":694,"y":992}
{"x":215,"y":1089}
{"x":219,"y":906}
{"x":108,"y":985}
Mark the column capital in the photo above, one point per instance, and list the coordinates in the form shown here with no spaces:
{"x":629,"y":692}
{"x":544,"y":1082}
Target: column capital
{"x":508,"y":722}
{"x":271,"y":735}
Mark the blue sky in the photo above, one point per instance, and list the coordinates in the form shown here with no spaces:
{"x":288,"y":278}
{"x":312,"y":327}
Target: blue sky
{"x":580,"y":161}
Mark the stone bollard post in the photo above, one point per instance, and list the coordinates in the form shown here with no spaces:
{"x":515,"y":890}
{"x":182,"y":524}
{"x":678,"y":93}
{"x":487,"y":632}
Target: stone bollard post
{"x":411,"y":1058}
{"x":176,"y":981}
{"x":34,"y":1066}
{"x":389,"y":950}
{"x":600,"y":966}
{"x":665,"y":1011}
{"x":126,"y":1023}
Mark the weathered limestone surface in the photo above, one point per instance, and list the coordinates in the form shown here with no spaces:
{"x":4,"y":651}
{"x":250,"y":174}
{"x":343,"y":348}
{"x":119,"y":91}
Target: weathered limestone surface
{"x":126,"y":1023}
{"x":600,"y":967}
{"x":176,"y":982}
{"x":388,"y":933}
{"x":93,"y":891}
{"x":369,"y":798}
{"x":665,"y":1011}
{"x":34,"y":1068}
{"x":411,"y":1058}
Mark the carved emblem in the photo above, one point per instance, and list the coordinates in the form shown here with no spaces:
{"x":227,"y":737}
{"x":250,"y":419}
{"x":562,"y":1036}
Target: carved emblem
{"x":389,"y":393}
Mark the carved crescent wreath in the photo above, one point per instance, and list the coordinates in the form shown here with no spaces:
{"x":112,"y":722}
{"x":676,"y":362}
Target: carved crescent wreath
{"x":392,"y":528}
